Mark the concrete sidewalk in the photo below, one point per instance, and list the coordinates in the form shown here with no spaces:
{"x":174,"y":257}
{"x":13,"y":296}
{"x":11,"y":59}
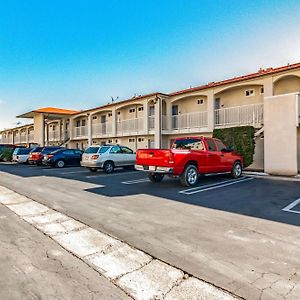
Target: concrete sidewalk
{"x":32,"y":266}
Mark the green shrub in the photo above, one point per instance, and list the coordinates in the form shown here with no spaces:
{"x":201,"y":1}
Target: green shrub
{"x":241,"y":139}
{"x":6,"y":154}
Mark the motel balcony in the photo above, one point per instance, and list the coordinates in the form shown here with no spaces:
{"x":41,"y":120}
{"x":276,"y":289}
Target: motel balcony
{"x":54,"y":136}
{"x":240,"y":116}
{"x":31,"y":137}
{"x":101,"y":129}
{"x":130,"y":127}
{"x":80,"y":132}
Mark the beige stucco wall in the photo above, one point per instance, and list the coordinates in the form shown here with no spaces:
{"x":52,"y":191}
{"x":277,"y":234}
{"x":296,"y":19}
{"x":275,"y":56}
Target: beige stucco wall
{"x":285,"y":85}
{"x":280,"y":134}
{"x":258,"y":159}
{"x":190,"y":104}
{"x":298,"y":149}
{"x":236,"y":96}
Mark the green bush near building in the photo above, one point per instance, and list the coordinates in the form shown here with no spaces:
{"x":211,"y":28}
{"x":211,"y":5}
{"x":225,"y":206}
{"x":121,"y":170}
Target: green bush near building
{"x":241,"y":139}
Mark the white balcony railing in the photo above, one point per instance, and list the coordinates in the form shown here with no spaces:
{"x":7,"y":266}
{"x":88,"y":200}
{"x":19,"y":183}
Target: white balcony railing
{"x":189,"y":121}
{"x":17,"y":139}
{"x":151,"y":122}
{"x":81,"y":132}
{"x":239,"y":115}
{"x":132,"y":126}
{"x":53,"y":136}
{"x":31,"y":138}
{"x":23,"y":138}
{"x":101,"y":129}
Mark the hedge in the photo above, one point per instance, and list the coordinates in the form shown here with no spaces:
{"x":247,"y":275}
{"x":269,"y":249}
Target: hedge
{"x":241,"y":139}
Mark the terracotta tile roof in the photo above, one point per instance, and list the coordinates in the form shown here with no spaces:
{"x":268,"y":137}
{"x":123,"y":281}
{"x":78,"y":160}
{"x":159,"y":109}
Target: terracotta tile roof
{"x":54,"y":110}
{"x":260,"y":73}
{"x":122,"y":102}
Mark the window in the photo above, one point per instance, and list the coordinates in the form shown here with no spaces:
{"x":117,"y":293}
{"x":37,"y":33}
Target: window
{"x":200,"y":101}
{"x":211,"y":145}
{"x":77,"y":123}
{"x":92,"y":150}
{"x":115,"y":150}
{"x":220,"y":145}
{"x":94,"y":142}
{"x":132,"y":110}
{"x":83,"y":123}
{"x":249,"y":93}
{"x":103,"y":149}
{"x":131,"y":140}
{"x":69,"y":152}
{"x":110,"y":114}
{"x":94,"y":117}
{"x":262,"y":90}
{"x":140,"y":139}
{"x":190,"y":144}
{"x":119,"y":112}
{"x":151,"y":110}
{"x":110,"y":141}
{"x":141,"y":108}
{"x":126,"y":150}
{"x":116,"y":141}
{"x":78,"y":152}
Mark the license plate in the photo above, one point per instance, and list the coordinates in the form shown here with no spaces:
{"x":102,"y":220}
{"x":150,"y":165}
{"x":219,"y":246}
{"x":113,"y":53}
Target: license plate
{"x":152,"y":168}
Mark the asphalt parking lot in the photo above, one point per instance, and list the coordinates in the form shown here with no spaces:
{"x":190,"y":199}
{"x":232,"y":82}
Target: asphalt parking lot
{"x":228,"y":232}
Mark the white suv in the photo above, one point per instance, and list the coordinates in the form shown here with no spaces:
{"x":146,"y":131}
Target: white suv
{"x":108,"y":157}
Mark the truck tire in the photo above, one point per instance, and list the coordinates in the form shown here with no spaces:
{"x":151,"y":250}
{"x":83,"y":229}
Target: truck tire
{"x":237,"y":170}
{"x":155,"y":177}
{"x":93,"y":169}
{"x":190,"y":176}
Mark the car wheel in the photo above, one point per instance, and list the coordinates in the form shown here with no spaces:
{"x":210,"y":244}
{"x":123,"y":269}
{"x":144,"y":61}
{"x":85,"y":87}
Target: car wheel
{"x":108,"y":167}
{"x":155,"y":177}
{"x":60,"y":164}
{"x":190,"y":176}
{"x":93,"y":169}
{"x":237,"y":170}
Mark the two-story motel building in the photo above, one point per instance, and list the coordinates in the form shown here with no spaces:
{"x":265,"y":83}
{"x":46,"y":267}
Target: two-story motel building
{"x":268,"y":100}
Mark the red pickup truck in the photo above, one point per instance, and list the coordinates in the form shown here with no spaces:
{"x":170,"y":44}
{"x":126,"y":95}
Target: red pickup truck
{"x":189,"y":158}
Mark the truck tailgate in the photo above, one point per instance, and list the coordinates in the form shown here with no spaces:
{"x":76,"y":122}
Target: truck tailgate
{"x":154,"y":157}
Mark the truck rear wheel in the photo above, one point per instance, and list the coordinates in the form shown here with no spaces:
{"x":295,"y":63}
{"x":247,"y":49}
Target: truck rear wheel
{"x":156,"y":177}
{"x":190,"y":176}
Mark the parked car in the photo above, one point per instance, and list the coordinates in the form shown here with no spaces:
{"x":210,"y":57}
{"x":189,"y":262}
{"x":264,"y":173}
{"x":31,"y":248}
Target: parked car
{"x":63,"y":157}
{"x":108,"y":157}
{"x":188,"y":158}
{"x":21,"y":155}
{"x":37,"y":154}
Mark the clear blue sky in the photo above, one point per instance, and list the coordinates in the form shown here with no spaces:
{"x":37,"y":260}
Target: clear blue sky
{"x":76,"y":54}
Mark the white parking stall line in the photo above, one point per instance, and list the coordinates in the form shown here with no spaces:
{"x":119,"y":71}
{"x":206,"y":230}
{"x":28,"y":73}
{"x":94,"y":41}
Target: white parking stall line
{"x":104,"y":175}
{"x":290,"y":207}
{"x":137,"y":181}
{"x":73,"y":172}
{"x":205,"y":188}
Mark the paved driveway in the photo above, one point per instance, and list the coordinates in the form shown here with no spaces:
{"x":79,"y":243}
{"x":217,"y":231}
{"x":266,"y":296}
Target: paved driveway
{"x":234,"y":234}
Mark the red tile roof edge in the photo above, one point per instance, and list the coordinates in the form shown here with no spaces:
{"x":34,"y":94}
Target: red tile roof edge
{"x":260,"y":73}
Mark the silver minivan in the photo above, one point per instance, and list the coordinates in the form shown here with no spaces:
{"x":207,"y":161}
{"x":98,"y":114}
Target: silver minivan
{"x":108,"y":157}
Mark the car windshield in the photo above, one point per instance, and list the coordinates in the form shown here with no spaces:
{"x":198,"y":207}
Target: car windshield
{"x":22,"y":151}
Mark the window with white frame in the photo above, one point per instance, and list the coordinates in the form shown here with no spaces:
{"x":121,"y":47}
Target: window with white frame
{"x":200,"y":101}
{"x":249,"y":93}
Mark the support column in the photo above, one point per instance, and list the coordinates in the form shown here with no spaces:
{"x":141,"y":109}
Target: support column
{"x":146,"y":117}
{"x":210,"y":111}
{"x":114,"y":122}
{"x":27,"y":136}
{"x":90,"y":133}
{"x":71,"y":128}
{"x":169,"y":115}
{"x":63,"y":130}
{"x":268,"y":87}
{"x":157,"y":123}
{"x":39,"y":129}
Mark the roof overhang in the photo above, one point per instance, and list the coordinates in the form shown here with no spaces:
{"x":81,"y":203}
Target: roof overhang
{"x":49,"y":113}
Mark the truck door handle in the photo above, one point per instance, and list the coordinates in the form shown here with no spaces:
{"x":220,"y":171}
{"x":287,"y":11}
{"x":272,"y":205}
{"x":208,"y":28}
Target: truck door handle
{"x":222,"y":155}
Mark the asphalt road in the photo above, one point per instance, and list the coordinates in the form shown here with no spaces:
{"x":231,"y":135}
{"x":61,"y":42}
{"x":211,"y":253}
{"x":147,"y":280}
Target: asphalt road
{"x":234,"y":234}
